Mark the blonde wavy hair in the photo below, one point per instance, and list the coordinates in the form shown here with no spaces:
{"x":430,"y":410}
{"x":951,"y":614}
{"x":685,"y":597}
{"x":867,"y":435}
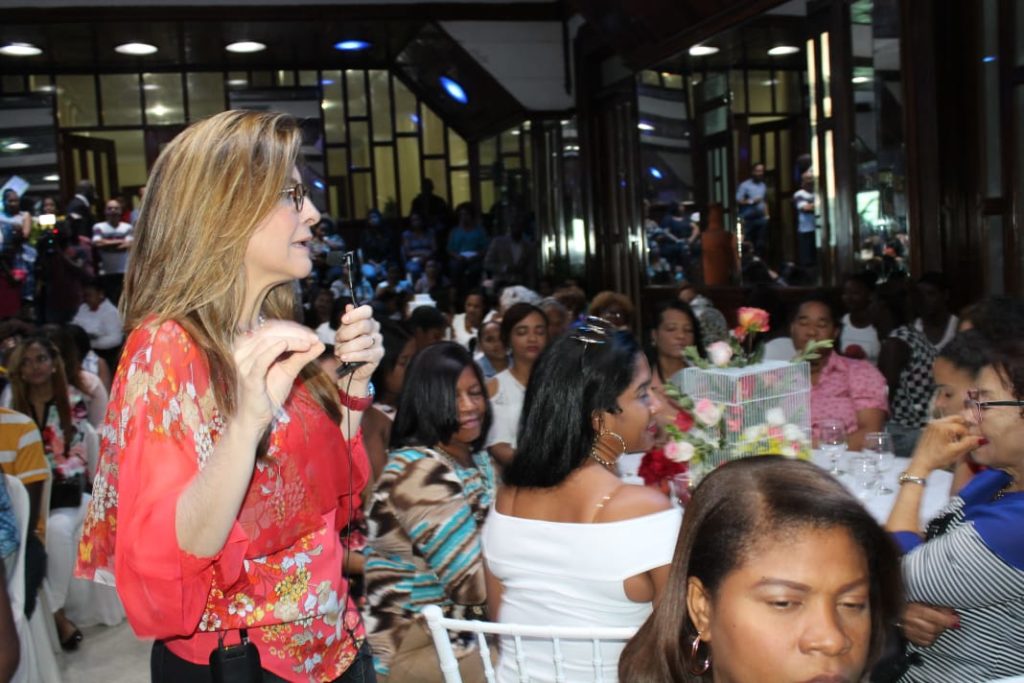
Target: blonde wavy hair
{"x":208,"y":192}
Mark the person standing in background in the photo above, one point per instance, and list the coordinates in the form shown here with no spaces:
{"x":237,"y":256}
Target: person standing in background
{"x":806,"y":225}
{"x":113,"y":237}
{"x":751,"y":196}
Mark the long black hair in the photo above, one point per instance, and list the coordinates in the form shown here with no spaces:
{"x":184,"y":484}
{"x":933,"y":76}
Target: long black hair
{"x":738,"y":506}
{"x":572,"y":380}
{"x":427,"y":411}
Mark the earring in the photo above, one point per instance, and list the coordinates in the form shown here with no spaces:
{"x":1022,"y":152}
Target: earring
{"x":694,"y":655}
{"x":622,"y":442}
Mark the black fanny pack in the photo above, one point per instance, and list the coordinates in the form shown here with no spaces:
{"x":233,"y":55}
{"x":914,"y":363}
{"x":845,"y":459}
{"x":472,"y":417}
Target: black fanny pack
{"x":236,"y":663}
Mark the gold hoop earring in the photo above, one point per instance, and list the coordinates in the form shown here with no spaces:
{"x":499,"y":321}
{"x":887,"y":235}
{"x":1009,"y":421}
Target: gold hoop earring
{"x":605,"y":463}
{"x":694,"y":655}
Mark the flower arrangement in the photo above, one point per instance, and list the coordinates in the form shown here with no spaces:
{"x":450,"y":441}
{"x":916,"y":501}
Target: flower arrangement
{"x":692,"y":436}
{"x":744,"y":347}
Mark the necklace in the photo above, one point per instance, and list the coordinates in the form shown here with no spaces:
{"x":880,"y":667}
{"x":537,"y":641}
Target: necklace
{"x":607,"y":464}
{"x":1003,"y":491}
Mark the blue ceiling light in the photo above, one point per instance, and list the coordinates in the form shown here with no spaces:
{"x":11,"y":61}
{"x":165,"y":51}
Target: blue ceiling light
{"x":988,"y":59}
{"x":352,"y":45}
{"x":454,"y":89}
{"x":655,"y":173}
{"x":326,"y":81}
{"x":319,"y":184}
{"x":415,"y":119}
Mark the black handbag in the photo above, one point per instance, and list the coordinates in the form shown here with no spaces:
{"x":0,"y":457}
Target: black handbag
{"x":66,"y":492}
{"x":236,"y":663}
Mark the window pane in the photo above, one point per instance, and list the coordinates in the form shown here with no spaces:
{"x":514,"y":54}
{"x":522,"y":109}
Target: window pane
{"x":76,"y":101}
{"x":460,"y":187}
{"x":360,"y":144}
{"x":333,"y":106}
{"x":759,"y":85}
{"x":262,"y":79}
{"x":433,"y":133}
{"x":408,"y":169}
{"x":356,"y":93}
{"x":737,"y":91}
{"x":130,"y":153}
{"x":285,"y":78}
{"x":238,"y":79}
{"x":164,"y":102}
{"x":387,"y":196}
{"x":362,"y":194}
{"x":510,"y":140}
{"x":458,"y":150}
{"x":406,"y":118}
{"x":40,"y":84}
{"x":307,"y":78}
{"x":122,"y":105}
{"x":205,"y":94}
{"x":486,"y":195}
{"x":381,"y":105}
{"x":435,"y":170}
{"x":488,"y":152}
{"x":337,"y":162}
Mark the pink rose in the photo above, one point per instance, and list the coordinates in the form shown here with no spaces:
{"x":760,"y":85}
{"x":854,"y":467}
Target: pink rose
{"x":753,"y":319}
{"x":679,"y":451}
{"x":720,"y":353}
{"x":707,"y":412}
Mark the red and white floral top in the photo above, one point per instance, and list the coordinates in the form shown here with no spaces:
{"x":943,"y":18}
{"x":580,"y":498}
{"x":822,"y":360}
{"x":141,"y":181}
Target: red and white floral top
{"x":279,"y":573}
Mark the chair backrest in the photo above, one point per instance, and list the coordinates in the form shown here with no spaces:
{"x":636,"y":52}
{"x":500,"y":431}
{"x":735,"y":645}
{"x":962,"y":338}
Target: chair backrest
{"x":91,"y":438}
{"x":440,"y":626}
{"x":22,"y":506}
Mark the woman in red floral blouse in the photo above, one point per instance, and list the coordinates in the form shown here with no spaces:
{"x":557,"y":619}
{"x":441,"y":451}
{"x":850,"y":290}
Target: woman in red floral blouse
{"x":229,"y":459}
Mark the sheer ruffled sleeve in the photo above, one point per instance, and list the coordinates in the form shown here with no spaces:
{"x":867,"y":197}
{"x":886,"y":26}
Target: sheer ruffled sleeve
{"x":160,"y":428}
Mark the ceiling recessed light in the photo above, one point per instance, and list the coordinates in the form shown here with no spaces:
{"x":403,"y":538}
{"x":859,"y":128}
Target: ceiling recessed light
{"x":454,"y":90}
{"x":52,"y":178}
{"x":655,"y":173}
{"x":136,"y":49}
{"x":15,"y":146}
{"x":780,"y":50}
{"x":20,"y":50}
{"x":702,"y":50}
{"x":644,"y":126}
{"x":352,"y":45}
{"x":860,"y":79}
{"x":158,"y":110}
{"x":245,"y":47}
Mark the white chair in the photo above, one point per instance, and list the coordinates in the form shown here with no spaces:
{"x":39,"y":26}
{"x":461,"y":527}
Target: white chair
{"x":440,"y":626}
{"x":38,"y":664}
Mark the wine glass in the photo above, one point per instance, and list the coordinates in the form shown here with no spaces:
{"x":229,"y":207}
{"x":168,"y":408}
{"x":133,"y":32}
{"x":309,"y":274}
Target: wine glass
{"x":879,"y":445}
{"x":832,"y":440}
{"x":864,"y":471}
{"x":681,"y":488}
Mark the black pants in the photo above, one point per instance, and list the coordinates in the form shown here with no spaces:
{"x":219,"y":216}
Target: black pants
{"x":167,"y":667}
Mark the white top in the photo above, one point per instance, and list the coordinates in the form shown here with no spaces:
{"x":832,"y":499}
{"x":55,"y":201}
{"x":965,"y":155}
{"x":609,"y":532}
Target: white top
{"x":561,"y":574}
{"x":506,"y":406}
{"x":864,"y":337}
{"x":113,"y":260}
{"x":104,"y":325}
{"x":780,"y":348}
{"x":947,"y":336}
{"x":461,"y":336}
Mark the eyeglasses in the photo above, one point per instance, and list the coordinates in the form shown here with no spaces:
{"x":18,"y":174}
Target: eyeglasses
{"x":978,"y":408}
{"x":298,"y":195}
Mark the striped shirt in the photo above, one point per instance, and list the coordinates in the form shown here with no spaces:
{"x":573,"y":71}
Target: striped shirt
{"x":21,"y":453}
{"x":424,"y":548}
{"x":973,"y":561}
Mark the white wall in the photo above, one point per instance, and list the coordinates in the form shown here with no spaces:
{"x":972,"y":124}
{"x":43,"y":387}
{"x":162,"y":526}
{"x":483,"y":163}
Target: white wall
{"x":526,"y":57}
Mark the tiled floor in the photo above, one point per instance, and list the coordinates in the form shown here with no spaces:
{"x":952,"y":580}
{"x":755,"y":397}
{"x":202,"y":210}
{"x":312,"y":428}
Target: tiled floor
{"x":108,"y":654}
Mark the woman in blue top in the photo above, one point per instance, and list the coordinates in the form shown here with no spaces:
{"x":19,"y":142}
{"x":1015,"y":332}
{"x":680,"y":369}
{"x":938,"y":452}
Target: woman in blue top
{"x":971,"y":558}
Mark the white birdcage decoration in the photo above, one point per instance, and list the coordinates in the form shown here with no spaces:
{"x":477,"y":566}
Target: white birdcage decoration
{"x":764,"y":409}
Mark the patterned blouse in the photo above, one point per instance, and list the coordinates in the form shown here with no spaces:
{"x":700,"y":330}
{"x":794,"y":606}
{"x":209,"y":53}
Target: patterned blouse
{"x":279,"y":573}
{"x":425,"y":520}
{"x":914,"y":391}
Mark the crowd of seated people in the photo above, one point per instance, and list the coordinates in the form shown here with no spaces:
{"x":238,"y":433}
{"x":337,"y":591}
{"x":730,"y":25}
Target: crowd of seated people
{"x":484,"y":468}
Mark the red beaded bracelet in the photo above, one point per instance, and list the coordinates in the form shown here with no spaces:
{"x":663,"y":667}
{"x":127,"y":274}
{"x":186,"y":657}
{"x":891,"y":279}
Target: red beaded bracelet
{"x":357,"y":404}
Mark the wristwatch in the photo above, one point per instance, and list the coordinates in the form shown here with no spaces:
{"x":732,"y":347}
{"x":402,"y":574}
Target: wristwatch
{"x":358,"y":404}
{"x":905,"y":478}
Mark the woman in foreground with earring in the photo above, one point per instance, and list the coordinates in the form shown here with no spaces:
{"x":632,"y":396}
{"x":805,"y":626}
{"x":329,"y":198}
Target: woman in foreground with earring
{"x":779,"y":575}
{"x":568,"y":544}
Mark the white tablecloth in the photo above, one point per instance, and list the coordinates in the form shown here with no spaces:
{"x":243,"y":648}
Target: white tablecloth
{"x":936,"y":494}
